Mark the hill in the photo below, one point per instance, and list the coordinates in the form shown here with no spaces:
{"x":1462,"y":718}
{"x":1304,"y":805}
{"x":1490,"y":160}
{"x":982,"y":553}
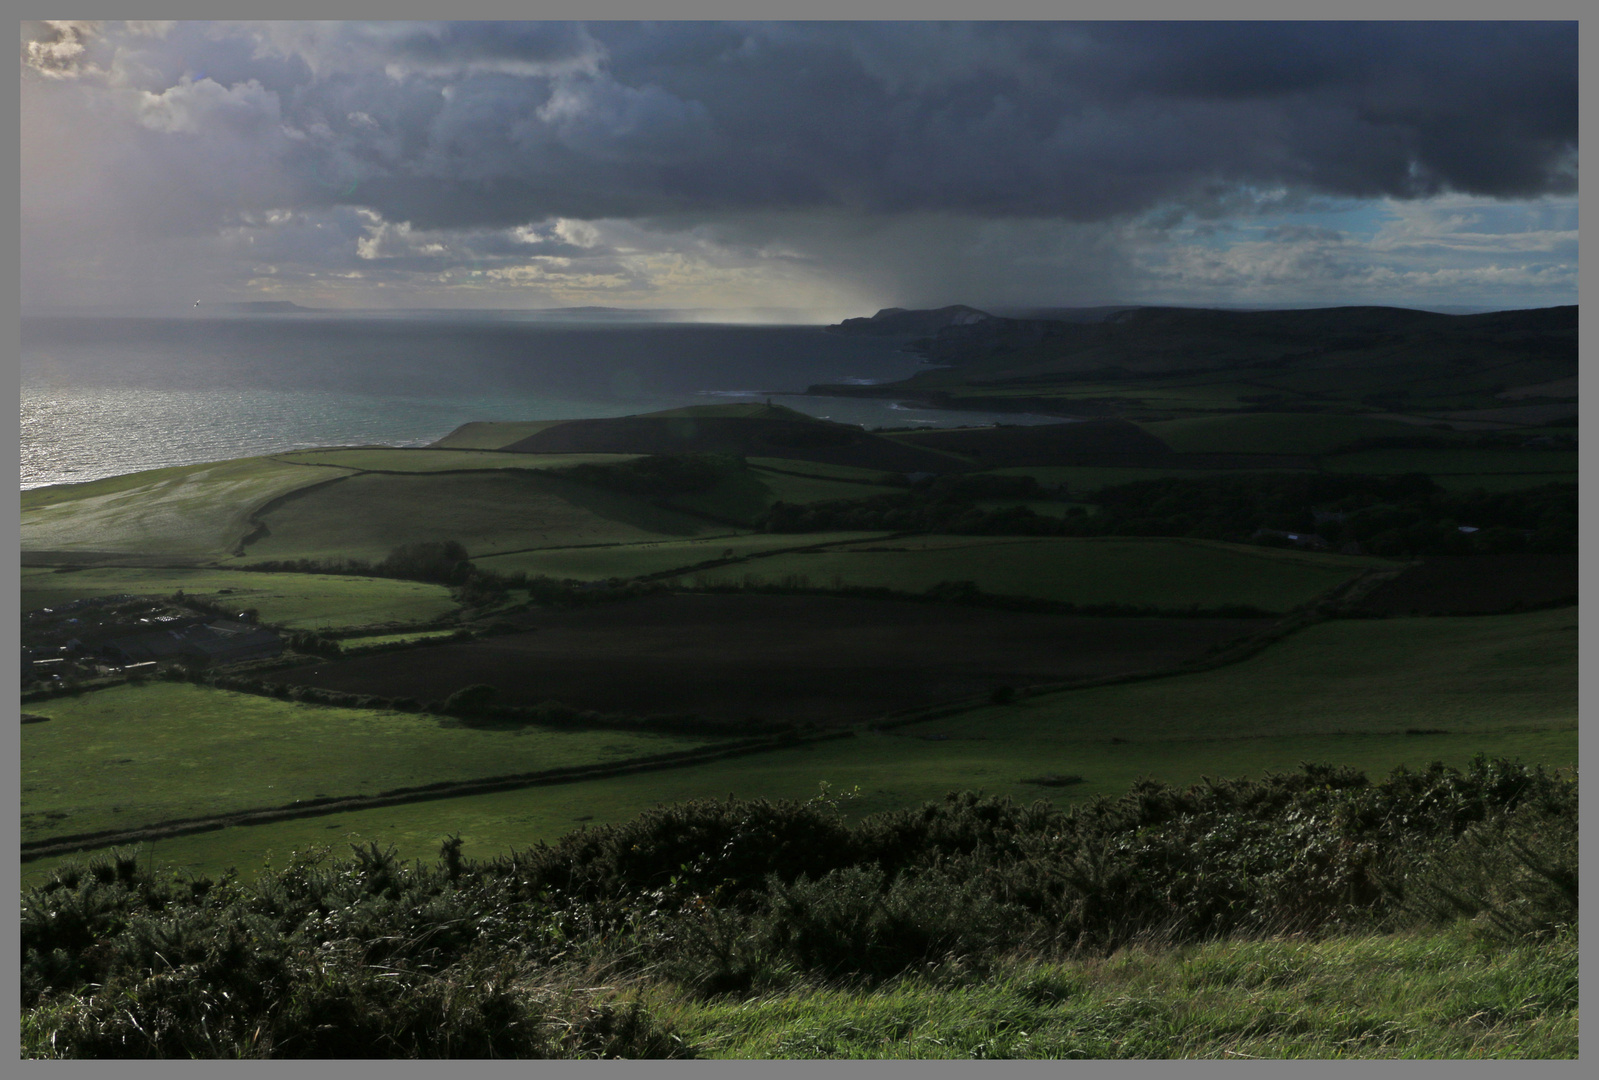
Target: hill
{"x":1091,"y":442}
{"x":1486,"y":367}
{"x":770,"y":431}
{"x":891,"y":321}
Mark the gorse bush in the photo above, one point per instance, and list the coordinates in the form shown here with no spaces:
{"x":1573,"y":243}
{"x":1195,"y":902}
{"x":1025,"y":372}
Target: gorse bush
{"x":371,"y":956}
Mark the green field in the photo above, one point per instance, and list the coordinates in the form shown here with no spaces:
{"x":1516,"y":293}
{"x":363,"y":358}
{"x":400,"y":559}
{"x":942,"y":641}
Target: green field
{"x":132,"y":755}
{"x":744,"y":496}
{"x":1274,"y":433}
{"x":189,"y":510}
{"x":818,"y":469}
{"x":807,"y":489}
{"x":1342,"y":692}
{"x":892,"y":771}
{"x":298,"y":601}
{"x":654,"y":557}
{"x":1155,"y":572}
{"x":367,"y":515}
{"x":427,"y":459}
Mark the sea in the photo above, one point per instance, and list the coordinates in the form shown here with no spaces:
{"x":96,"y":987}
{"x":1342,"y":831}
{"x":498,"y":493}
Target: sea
{"x":103,"y":396}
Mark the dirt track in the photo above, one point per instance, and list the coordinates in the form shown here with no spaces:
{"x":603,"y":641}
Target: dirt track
{"x":822,"y":659}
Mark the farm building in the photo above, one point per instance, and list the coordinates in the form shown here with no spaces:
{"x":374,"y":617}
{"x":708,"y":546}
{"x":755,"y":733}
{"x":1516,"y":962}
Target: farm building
{"x":231,"y":642}
{"x":221,"y":642}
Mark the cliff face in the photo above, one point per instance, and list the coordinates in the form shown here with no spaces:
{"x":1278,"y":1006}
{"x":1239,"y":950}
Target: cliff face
{"x":891,"y":321}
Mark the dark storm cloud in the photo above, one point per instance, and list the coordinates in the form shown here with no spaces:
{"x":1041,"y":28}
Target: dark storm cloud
{"x":494,"y":124}
{"x":918,"y":163}
{"x":1079,"y":121}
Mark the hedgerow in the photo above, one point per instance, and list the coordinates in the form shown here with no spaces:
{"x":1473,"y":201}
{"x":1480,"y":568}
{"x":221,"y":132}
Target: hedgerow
{"x":369,"y":956}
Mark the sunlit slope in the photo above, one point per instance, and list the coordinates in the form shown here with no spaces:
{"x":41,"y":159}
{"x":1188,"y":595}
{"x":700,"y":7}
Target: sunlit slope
{"x":366,"y":516}
{"x":491,"y":434}
{"x":300,"y":601}
{"x":185,"y":510}
{"x":1154,"y":572}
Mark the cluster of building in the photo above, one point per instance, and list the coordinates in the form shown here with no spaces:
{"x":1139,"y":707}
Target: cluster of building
{"x":68,"y":646}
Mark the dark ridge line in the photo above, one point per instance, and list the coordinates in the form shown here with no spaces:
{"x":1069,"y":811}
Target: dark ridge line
{"x":38,"y":849}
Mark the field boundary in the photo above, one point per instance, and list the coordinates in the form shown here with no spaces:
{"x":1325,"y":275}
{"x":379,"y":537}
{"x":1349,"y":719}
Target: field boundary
{"x":258,"y":528}
{"x":160,"y":830}
{"x":1322,"y":609}
{"x":816,"y":476}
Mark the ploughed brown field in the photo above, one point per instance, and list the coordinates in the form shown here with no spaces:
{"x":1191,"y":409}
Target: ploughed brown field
{"x":733,"y":657}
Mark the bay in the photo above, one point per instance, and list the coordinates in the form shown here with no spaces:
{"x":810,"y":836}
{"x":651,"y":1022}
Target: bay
{"x":106,"y":396}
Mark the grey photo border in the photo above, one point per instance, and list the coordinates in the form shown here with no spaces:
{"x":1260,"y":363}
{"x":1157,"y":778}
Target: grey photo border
{"x":766,"y":10}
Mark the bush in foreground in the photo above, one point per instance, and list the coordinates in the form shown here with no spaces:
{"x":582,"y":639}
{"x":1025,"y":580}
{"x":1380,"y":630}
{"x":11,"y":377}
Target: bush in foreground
{"x":371,"y":957}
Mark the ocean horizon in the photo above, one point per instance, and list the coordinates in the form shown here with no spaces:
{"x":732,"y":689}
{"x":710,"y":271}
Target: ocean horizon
{"x":108,"y":395}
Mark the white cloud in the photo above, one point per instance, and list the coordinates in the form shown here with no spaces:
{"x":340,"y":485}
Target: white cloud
{"x":192,"y":107}
{"x":58,"y":51}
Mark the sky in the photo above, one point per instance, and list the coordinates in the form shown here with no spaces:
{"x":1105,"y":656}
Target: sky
{"x":824,"y":168}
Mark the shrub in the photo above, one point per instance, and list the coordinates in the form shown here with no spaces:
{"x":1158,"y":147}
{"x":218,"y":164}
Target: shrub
{"x":473,"y":700}
{"x":1514,"y":875}
{"x":369,"y":956}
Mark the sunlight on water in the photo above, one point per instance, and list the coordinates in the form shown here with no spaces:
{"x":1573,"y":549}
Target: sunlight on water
{"x":103,"y":397}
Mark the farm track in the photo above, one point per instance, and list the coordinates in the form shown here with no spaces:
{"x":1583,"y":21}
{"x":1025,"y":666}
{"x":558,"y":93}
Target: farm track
{"x":160,"y":830}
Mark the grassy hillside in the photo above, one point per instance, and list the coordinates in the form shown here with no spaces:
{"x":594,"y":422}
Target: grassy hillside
{"x":1415,"y":994}
{"x":1313,"y":912}
{"x":189,"y":510}
{"x":745,"y":430}
{"x":1156,"y":573}
{"x":298,"y":601}
{"x":491,"y":434}
{"x":366,"y":516}
{"x":1351,"y":353}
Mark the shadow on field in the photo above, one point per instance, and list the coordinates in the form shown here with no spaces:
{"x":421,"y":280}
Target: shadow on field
{"x":735,"y":657}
